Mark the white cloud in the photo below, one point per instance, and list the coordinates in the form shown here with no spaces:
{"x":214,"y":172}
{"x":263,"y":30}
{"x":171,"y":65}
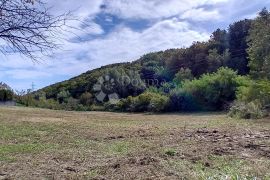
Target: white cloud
{"x":81,"y":9}
{"x":120,"y":46}
{"x":201,"y":15}
{"x":149,"y":9}
{"x":169,"y":29}
{"x":125,"y":44}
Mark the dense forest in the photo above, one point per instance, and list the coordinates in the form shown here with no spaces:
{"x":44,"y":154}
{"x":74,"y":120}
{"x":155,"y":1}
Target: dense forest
{"x":231,"y":71}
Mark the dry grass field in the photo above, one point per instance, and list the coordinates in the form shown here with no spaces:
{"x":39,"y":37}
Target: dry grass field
{"x":45,"y":144}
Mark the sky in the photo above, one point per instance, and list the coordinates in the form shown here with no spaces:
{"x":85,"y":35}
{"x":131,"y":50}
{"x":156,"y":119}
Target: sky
{"x":113,"y":31}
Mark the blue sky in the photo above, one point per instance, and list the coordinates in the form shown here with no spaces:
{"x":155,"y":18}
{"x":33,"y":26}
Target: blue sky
{"x":111,"y":31}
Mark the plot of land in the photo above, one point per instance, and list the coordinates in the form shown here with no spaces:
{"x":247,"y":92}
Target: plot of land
{"x":44,"y":144}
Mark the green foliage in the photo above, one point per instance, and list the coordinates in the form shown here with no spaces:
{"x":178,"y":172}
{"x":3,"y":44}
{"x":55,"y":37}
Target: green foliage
{"x":63,"y":96}
{"x":194,"y":58}
{"x":219,"y":41}
{"x":250,"y":110}
{"x":181,"y":100}
{"x":147,"y":101}
{"x":158,"y":103}
{"x":126,"y":82}
{"x":259,"y":46}
{"x":154,"y":72}
{"x":183,"y":75}
{"x":72,"y":104}
{"x":238,"y":35}
{"x":30,"y":101}
{"x":253,"y":99}
{"x":213,"y":91}
{"x":216,"y":60}
{"x":203,"y":76}
{"x":6,"y":95}
{"x":95,"y":107}
{"x":255,"y":91}
{"x":86,"y":99}
{"x":170,"y":152}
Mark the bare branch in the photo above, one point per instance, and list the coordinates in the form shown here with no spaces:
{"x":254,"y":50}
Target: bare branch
{"x":28,"y":28}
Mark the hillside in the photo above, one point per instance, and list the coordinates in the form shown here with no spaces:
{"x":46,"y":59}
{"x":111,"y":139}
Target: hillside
{"x":205,"y":76}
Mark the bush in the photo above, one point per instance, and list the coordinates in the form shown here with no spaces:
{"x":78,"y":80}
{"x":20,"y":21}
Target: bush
{"x":108,"y":106}
{"x":158,"y":103}
{"x":63,"y":96}
{"x":251,"y":110}
{"x":72,"y":104}
{"x":95,"y":107}
{"x":6,"y":95}
{"x":86,"y":99}
{"x":31,"y":101}
{"x":255,"y":91}
{"x":147,"y":101}
{"x":182,"y":101}
{"x":183,"y":75}
{"x":213,"y":91}
{"x":253,"y":100}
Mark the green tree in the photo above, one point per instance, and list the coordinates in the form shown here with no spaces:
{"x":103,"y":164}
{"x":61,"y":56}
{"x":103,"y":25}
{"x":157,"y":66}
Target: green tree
{"x":216,"y":60}
{"x":259,"y":46}
{"x":86,"y":99}
{"x":183,"y":75}
{"x":63,"y":96}
{"x":213,"y":91}
{"x":238,"y":34}
{"x":219,"y":40}
{"x":6,"y":95}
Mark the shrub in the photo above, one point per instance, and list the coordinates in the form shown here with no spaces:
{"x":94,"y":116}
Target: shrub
{"x":6,"y":95}
{"x":147,"y":101}
{"x":108,"y":106}
{"x":72,"y":104}
{"x":251,"y":110}
{"x":213,"y":91}
{"x":181,"y":100}
{"x":253,"y":99}
{"x":158,"y":103}
{"x":124,"y":104}
{"x":95,"y":107}
{"x":255,"y":91}
{"x":183,"y":75}
{"x":86,"y":99}
{"x":50,"y":104}
{"x":63,"y":96}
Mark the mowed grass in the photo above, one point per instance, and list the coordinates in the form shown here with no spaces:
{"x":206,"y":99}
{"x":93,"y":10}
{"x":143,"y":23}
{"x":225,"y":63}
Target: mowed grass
{"x":46,"y":144}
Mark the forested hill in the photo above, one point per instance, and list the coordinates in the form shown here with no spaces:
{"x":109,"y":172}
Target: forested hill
{"x":204,"y":76}
{"x":225,"y":48}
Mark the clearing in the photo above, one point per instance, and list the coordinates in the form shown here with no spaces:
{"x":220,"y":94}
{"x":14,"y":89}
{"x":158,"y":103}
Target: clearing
{"x":46,"y":144}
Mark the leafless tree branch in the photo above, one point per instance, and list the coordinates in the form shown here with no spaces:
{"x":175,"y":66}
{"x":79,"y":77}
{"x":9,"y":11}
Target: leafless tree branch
{"x":28,"y":28}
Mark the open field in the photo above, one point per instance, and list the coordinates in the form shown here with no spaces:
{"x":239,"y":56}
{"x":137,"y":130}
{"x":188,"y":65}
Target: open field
{"x":45,"y":144}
